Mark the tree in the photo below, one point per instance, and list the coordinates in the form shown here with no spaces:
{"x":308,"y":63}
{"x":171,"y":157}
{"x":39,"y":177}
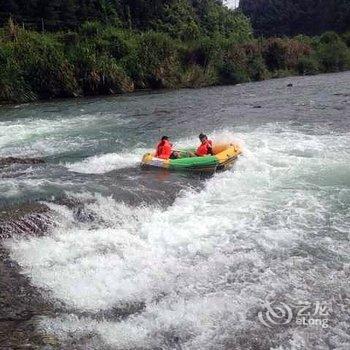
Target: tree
{"x":285,"y":17}
{"x":179,"y":20}
{"x":333,"y":53}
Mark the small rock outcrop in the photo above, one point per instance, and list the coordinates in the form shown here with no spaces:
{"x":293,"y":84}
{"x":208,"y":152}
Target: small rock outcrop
{"x":15,"y":160}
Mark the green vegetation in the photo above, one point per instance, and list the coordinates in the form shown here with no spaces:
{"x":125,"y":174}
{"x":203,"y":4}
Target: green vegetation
{"x":293,"y":17}
{"x":106,"y":47}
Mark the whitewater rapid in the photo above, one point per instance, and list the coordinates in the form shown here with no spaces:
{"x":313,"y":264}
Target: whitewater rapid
{"x":196,"y":273}
{"x":139,"y":259}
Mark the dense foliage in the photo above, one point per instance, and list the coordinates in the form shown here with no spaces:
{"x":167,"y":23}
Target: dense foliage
{"x":287,"y":17}
{"x":106,"y":47}
{"x":173,"y":15}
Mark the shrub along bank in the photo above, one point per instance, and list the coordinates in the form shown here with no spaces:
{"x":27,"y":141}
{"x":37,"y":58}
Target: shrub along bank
{"x":98,"y":58}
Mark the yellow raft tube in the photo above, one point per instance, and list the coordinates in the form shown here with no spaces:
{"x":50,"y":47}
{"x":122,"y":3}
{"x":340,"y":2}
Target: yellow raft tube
{"x":224,"y":155}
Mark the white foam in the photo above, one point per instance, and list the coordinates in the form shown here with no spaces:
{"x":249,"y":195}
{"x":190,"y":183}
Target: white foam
{"x":47,"y":136}
{"x":107,"y":162}
{"x":13,"y":187}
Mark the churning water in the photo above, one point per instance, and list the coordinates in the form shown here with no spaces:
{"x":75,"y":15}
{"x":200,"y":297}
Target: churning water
{"x":170,"y":261}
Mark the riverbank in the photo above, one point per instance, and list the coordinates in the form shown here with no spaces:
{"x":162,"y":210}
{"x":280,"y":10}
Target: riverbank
{"x":104,"y":60}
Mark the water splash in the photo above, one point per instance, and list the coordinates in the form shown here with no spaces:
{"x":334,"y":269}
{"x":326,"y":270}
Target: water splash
{"x":107,"y":162}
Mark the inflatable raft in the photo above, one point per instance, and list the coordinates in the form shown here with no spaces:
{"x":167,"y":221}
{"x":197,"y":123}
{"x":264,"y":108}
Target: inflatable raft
{"x":224,"y":156}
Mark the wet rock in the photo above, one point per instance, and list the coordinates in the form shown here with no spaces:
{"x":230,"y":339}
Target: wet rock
{"x":159,"y":111}
{"x":345,"y":94}
{"x":290,"y":85}
{"x":49,"y":340}
{"x":18,"y":211}
{"x":71,"y":202}
{"x":14,"y":160}
{"x":83,"y":215}
{"x":26,"y":219}
{"x":20,"y":304}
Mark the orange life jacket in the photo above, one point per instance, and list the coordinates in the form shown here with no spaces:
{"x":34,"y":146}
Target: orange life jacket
{"x":164,"y":149}
{"x":205,"y":148}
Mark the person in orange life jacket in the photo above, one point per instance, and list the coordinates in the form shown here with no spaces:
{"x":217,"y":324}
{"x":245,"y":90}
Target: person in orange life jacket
{"x":206,"y":146}
{"x":164,"y":149}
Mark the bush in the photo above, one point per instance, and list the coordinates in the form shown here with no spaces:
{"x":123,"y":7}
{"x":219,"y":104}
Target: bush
{"x":256,"y":66}
{"x":284,"y":54}
{"x":90,"y":29}
{"x":68,"y":38}
{"x":308,"y":65}
{"x":332,"y":53}
{"x":196,"y":77}
{"x":204,"y":53}
{"x":230,"y":73}
{"x":13,"y":88}
{"x":274,"y":52}
{"x":234,"y":66}
{"x":99,"y":74}
{"x":158,"y":64}
{"x":346,"y":38}
{"x":257,"y":69}
{"x":43,"y":65}
{"x":116,"y":43}
{"x":282,"y":73}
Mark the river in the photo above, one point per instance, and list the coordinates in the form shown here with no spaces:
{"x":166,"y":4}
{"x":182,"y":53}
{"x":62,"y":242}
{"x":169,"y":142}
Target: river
{"x":160,"y":260}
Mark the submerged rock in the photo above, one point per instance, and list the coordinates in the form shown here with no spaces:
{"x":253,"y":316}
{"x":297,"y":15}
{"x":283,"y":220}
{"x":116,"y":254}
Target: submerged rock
{"x":14,"y":160}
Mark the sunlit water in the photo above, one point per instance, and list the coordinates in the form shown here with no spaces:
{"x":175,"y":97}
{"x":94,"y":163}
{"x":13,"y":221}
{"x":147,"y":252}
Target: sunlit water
{"x":175,"y":261}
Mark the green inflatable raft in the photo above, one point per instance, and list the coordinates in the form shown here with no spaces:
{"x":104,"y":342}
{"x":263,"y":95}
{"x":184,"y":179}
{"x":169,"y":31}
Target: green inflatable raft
{"x":224,"y":156}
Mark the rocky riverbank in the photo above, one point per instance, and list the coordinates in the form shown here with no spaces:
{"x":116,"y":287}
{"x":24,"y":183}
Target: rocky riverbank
{"x":20,"y":306}
{"x":20,"y":303}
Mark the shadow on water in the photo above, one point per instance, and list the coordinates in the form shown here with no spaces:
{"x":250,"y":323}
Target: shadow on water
{"x":133,"y":186}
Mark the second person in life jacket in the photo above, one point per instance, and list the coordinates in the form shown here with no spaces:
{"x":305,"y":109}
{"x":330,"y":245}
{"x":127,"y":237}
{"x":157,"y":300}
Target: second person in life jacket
{"x":205,"y":148}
